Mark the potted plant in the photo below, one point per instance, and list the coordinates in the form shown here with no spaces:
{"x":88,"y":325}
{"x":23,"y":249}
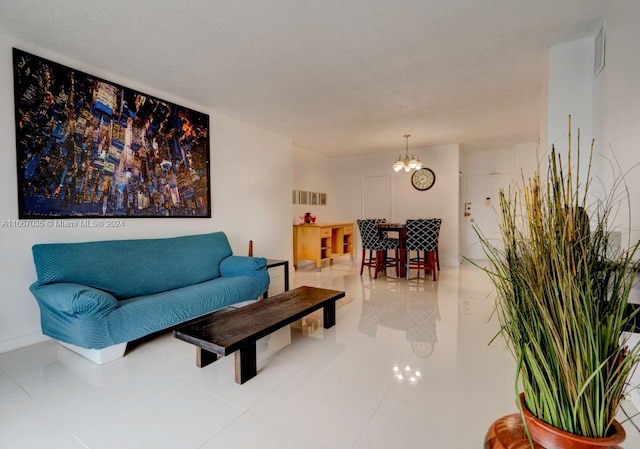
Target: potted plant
{"x":562,"y":303}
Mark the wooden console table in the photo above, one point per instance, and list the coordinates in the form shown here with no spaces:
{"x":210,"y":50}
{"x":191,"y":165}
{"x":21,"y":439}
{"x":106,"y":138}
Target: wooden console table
{"x":322,"y":241}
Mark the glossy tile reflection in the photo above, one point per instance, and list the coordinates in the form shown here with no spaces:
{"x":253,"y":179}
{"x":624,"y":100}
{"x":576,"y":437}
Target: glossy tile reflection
{"x":412,"y":307}
{"x":406,"y":365}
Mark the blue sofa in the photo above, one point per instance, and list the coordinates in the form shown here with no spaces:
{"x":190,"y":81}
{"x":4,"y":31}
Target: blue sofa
{"x":94,"y":297}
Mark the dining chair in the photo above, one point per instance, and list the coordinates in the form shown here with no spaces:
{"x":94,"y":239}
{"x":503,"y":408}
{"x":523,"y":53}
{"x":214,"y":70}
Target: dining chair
{"x":372,"y":242}
{"x":422,"y":237}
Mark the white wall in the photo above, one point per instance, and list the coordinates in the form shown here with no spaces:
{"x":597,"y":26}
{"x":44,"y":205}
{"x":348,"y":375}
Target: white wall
{"x":606,"y":108}
{"x":615,"y":112}
{"x":570,"y":93}
{"x":249,"y":200}
{"x":406,"y":202}
{"x":526,"y":158}
{"x":571,"y":67}
{"x":543,"y":122}
{"x":619,"y":94}
{"x":312,"y":173}
{"x":512,"y":160}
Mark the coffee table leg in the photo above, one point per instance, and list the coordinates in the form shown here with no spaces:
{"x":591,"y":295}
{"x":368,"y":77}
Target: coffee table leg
{"x":329,"y":314}
{"x":246,"y":363}
{"x":204,"y":357}
{"x":286,"y":276}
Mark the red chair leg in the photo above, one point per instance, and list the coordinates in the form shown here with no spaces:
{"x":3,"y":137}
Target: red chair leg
{"x":408,"y":263}
{"x":427,"y":267}
{"x":397,"y":263}
{"x":362,"y":264}
{"x":432,"y":263}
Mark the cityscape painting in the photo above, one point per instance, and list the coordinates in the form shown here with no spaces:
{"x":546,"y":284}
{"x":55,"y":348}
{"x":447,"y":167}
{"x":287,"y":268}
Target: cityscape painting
{"x":87,"y":147}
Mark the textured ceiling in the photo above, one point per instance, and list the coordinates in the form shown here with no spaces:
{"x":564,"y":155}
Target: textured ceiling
{"x":339,"y":77}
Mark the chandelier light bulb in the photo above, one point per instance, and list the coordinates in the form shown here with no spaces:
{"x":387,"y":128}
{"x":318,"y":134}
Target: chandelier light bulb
{"x":405,"y":161}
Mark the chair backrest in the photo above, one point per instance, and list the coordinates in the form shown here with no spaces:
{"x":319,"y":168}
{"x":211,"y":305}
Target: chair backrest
{"x":423,"y":234}
{"x":369,"y":232}
{"x":383,"y":234}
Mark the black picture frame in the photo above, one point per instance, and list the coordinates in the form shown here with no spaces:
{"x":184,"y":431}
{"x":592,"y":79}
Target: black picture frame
{"x":88,"y":147}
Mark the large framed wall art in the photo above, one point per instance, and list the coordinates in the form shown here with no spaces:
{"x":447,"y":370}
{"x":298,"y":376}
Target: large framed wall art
{"x":87,"y":147}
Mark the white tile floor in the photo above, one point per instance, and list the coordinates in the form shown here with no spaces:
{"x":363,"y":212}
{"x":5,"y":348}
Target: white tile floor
{"x":329,"y":389}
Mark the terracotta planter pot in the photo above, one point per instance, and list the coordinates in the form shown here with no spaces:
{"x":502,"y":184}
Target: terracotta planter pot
{"x":553,"y":438}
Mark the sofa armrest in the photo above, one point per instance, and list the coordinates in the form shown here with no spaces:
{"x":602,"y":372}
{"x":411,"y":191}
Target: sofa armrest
{"x":242,"y":266}
{"x":74,"y":299}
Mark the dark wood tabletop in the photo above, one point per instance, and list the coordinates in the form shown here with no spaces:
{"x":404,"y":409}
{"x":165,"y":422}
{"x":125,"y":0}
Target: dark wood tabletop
{"x":236,"y":330}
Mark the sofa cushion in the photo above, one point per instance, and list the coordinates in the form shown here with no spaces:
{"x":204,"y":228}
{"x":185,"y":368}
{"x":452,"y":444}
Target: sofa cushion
{"x":156,"y":312}
{"x":128,"y":268}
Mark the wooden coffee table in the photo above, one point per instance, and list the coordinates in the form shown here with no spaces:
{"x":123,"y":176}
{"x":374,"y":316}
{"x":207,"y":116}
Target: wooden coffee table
{"x":237,"y":329}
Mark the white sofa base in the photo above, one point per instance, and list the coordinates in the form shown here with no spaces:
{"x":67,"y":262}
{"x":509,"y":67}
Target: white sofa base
{"x":99,"y":356}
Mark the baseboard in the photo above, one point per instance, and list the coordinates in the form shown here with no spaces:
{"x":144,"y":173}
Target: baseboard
{"x":22,"y":342}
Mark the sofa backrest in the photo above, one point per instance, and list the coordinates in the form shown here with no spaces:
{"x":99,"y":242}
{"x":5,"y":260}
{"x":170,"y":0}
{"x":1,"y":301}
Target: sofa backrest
{"x":128,"y":268}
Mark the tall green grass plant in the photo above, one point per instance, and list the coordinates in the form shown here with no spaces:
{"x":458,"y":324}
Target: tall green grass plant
{"x":562,"y":297}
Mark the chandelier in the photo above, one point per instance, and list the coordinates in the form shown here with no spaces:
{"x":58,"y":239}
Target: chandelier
{"x":407,"y":161}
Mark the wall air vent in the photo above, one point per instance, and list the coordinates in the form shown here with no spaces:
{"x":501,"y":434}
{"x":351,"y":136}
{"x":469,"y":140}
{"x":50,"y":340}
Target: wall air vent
{"x":599,"y":52}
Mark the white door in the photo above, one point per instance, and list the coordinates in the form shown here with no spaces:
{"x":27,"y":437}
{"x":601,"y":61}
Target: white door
{"x":482,"y":211}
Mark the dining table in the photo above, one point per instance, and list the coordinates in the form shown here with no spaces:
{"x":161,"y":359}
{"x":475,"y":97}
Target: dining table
{"x":401,"y":229}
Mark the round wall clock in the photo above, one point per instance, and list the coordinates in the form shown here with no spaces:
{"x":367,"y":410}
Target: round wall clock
{"x":423,"y":179}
